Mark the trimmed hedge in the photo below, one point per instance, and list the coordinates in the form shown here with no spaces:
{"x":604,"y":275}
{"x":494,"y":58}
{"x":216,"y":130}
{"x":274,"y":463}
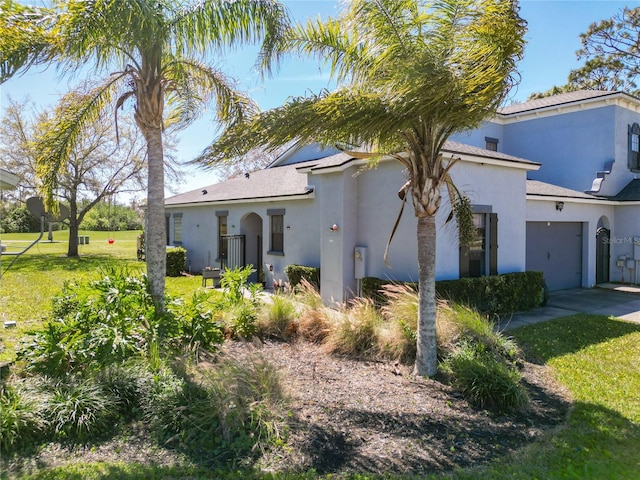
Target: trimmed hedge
{"x":499,"y":294}
{"x":297,"y":272}
{"x":176,"y":260}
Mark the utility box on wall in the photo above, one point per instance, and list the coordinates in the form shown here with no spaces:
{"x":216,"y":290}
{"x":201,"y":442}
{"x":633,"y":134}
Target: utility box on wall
{"x":360,"y":262}
{"x":636,"y":248}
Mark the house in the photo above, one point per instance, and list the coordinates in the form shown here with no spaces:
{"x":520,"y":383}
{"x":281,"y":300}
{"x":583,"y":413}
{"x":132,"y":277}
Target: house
{"x":552,"y":184}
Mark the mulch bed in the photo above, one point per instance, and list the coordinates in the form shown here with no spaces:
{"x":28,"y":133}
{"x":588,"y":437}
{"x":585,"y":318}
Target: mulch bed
{"x":356,"y":416}
{"x":376,"y":417}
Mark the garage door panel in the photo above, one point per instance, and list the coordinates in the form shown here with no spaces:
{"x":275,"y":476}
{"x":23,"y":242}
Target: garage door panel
{"x":555,"y":248}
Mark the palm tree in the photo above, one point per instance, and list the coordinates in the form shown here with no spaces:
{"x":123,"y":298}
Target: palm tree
{"x":410,"y":74}
{"x":154,"y":51}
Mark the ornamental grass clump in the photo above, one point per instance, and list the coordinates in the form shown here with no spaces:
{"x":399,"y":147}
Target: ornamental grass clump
{"x":278,"y":318}
{"x":398,"y":336}
{"x":355,"y":334}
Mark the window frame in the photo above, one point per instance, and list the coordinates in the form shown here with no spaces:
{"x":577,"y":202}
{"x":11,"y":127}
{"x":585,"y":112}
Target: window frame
{"x":491,"y":143}
{"x":223,"y":216}
{"x":177,"y":232}
{"x":276,"y":231}
{"x":489,"y":244}
{"x":634,"y":147}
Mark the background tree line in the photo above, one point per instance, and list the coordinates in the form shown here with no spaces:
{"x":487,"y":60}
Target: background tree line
{"x":103,"y":216}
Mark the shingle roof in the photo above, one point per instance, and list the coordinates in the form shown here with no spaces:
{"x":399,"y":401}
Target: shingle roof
{"x":555,"y":100}
{"x":462,"y":148}
{"x":536,"y":187}
{"x":270,"y":182}
{"x":630,"y":193}
{"x":287,"y":180}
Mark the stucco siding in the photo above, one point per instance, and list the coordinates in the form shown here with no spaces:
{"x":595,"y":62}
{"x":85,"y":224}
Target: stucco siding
{"x":571,"y":147}
{"x":301,"y":239}
{"x":627,"y":221}
{"x":477,"y":137}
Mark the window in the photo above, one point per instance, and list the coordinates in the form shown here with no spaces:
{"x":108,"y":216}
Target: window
{"x":480,"y":258}
{"x":276,"y":220}
{"x":634,"y":146}
{"x":177,"y":229}
{"x":222,"y":232}
{"x":491,"y":143}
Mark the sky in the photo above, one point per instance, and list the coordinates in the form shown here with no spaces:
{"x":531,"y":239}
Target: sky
{"x":552,"y":39}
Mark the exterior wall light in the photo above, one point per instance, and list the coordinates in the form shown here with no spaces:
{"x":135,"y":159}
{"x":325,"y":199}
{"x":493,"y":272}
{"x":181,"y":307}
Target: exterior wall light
{"x":333,"y":228}
{"x":559,"y":206}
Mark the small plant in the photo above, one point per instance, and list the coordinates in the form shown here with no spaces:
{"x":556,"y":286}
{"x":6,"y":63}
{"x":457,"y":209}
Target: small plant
{"x":485,"y":380}
{"x":399,"y":339}
{"x":241,"y":320}
{"x":357,"y":333}
{"x":200,"y":325}
{"x":80,"y":408}
{"x":21,"y":419}
{"x":278,"y":319}
{"x":233,"y":281}
{"x":314,"y":325}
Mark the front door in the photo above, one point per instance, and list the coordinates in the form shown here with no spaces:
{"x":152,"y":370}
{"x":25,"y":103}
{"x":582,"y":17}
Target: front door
{"x":603,"y":254}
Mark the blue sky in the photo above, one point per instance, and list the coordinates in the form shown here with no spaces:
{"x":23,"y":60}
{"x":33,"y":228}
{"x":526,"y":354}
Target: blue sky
{"x":554,"y":27}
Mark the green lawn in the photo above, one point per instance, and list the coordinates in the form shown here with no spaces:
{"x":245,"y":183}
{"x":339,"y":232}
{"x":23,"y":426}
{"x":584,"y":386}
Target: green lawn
{"x":27,"y":286}
{"x":596,"y":358}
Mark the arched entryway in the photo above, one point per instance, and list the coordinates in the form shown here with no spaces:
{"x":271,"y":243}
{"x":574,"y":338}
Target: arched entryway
{"x":603,"y":250}
{"x":251,"y":228}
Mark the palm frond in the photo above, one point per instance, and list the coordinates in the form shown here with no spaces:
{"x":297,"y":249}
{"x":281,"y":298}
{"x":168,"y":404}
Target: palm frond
{"x":63,"y":132}
{"x":192,"y":86}
{"x":25,"y":37}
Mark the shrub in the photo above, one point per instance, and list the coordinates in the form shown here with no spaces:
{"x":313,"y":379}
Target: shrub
{"x":21,"y":419}
{"x":79,"y":408}
{"x":96,"y":323}
{"x":356,"y":334}
{"x":297,"y":273}
{"x":176,"y":261}
{"x":496,"y":294}
{"x":484,"y":380}
{"x":199,"y":324}
{"x":278,"y":319}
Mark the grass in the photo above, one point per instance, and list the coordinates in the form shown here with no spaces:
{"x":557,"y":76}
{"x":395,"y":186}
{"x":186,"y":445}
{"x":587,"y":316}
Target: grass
{"x":27,"y":287}
{"x":596,"y":358}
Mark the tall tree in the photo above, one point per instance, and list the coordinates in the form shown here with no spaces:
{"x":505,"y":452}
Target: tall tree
{"x":97,"y":168}
{"x":611,"y":49}
{"x":154,"y":52}
{"x":411,"y":73}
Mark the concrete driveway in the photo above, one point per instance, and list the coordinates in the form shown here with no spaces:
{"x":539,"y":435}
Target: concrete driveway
{"x":612,"y":300}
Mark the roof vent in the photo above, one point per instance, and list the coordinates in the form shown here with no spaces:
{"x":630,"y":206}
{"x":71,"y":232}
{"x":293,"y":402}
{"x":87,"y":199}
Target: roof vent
{"x":204,"y":192}
{"x":247,"y":175}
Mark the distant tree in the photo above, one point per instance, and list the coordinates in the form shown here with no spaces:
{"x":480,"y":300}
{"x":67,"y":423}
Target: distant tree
{"x":612,"y":51}
{"x":97,"y":168}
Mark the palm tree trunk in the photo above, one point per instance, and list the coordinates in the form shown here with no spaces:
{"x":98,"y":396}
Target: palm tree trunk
{"x":156,"y":255}
{"x":426,"y":357}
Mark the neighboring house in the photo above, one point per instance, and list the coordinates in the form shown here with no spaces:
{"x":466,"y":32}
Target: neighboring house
{"x":552,"y":183}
